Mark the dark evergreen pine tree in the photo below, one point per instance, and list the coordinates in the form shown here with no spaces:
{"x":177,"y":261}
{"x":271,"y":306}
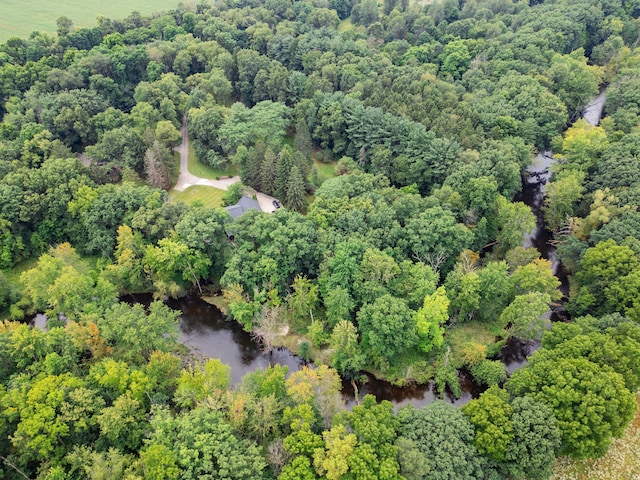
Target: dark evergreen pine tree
{"x":250,"y":164}
{"x":294,"y":198}
{"x":268,"y":172}
{"x":302,"y":140}
{"x":286,"y":162}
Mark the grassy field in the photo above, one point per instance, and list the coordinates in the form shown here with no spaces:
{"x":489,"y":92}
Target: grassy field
{"x":345,"y":25}
{"x":174,"y":169}
{"x":20,"y":18}
{"x":199,"y":169}
{"x":325,"y":170}
{"x":208,"y":196}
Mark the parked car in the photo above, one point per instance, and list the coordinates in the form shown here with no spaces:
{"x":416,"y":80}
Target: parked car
{"x":276,"y":204}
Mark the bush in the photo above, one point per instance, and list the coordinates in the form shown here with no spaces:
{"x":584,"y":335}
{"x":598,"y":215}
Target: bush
{"x":317,"y":334}
{"x":324,"y":156}
{"x":305,"y":351}
{"x":489,"y":372}
{"x":233,"y":194}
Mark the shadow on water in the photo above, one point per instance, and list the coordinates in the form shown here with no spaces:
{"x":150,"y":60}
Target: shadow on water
{"x":532,"y":195}
{"x":204,"y":330}
{"x":414,"y":394}
{"x":514,"y":354}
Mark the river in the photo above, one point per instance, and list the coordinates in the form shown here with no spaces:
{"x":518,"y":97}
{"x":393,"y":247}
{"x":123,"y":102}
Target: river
{"x":205,"y":331}
{"x":514,"y":354}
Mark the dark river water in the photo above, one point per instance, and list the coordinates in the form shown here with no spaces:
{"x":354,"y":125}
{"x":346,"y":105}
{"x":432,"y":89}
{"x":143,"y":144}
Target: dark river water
{"x":205,"y":331}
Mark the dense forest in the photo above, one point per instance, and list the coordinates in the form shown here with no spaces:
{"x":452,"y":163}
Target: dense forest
{"x":409,"y":263}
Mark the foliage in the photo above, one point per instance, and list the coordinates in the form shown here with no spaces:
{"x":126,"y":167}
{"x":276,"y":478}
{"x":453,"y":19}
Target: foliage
{"x":490,"y":416}
{"x":489,"y":372}
{"x":440,"y":438}
{"x":536,"y":438}
{"x":577,"y":391}
{"x":134,"y":333}
{"x":435,"y":111}
{"x":233,"y":194}
{"x":526,"y":317}
{"x":203,"y":444}
{"x":380,"y":324}
{"x":199,"y":381}
{"x":429,"y":319}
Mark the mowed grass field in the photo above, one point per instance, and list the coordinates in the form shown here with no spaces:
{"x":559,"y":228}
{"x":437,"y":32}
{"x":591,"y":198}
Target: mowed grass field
{"x":20,"y":17}
{"x":208,"y":196}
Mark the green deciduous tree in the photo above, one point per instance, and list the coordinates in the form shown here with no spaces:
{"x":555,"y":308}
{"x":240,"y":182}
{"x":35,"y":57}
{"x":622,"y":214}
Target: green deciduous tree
{"x":171,"y":263}
{"x":204,"y":446}
{"x":560,"y":197}
{"x":536,"y":438}
{"x":442,"y":442}
{"x":159,"y":463}
{"x":489,"y":372}
{"x":167,"y":134}
{"x":388,"y":330}
{"x":199,"y":381}
{"x":347,"y":357}
{"x":590,"y":402}
{"x":123,"y":424}
{"x":319,"y":387}
{"x":515,"y":220}
{"x":233,"y":194}
{"x":135,"y":334}
{"x":205,"y":230}
{"x":332,"y":461}
{"x":490,"y":416}
{"x":526,"y":317}
{"x":51,"y":410}
{"x":430,"y":318}
{"x":601,"y":266}
{"x":536,"y":276}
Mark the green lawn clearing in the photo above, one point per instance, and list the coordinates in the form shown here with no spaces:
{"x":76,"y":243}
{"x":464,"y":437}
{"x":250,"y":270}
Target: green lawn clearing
{"x":20,"y":18}
{"x":345,"y":25}
{"x":325,"y":170}
{"x":208,"y":196}
{"x":174,"y":169}
{"x":199,"y":169}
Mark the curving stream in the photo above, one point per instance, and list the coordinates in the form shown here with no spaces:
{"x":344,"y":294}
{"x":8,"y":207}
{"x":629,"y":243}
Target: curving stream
{"x":514,"y":354}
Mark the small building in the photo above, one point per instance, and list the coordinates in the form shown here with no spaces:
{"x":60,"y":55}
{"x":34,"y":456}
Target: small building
{"x":244,"y":204}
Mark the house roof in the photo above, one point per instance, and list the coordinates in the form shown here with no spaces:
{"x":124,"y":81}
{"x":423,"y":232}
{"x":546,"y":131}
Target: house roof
{"x":244,"y":204}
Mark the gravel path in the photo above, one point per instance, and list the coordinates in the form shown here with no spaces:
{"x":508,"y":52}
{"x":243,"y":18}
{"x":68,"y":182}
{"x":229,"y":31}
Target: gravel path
{"x":187,"y":179}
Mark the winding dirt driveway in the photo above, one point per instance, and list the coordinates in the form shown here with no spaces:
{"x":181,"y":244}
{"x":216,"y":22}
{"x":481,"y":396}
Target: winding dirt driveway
{"x":187,"y":179}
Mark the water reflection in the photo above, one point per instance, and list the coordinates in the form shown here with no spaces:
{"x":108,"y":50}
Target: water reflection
{"x":205,"y":331}
{"x":592,"y":113}
{"x":39,"y":320}
{"x":414,"y":394}
{"x":514,"y":354}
